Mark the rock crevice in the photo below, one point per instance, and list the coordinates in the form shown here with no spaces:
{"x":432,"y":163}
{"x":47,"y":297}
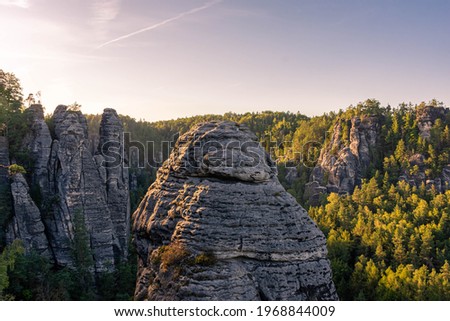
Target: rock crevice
{"x":70,"y":182}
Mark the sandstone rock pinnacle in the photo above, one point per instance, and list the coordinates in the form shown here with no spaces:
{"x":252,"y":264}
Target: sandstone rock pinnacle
{"x":218,"y":225}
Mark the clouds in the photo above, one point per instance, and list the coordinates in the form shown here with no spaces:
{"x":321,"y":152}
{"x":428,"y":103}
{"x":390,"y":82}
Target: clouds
{"x":24,"y":4}
{"x":103,"y":12}
{"x":162,"y":23}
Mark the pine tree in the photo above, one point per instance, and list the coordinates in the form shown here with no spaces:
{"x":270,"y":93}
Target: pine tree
{"x":7,"y":260}
{"x":400,"y":151}
{"x":399,"y":250}
{"x":427,"y":246}
{"x":83,"y":259}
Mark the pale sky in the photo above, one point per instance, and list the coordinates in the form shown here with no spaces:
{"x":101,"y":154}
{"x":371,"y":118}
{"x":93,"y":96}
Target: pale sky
{"x":163,"y":59}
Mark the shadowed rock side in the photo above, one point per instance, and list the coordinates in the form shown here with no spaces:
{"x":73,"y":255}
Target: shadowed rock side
{"x":70,"y":181}
{"x":217,"y":225}
{"x":38,"y":143}
{"x":76,"y":182}
{"x":27,"y":223}
{"x":114,"y":174}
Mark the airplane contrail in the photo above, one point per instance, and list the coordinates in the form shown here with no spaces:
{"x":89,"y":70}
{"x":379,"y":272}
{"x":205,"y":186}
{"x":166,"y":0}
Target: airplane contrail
{"x":162,"y":23}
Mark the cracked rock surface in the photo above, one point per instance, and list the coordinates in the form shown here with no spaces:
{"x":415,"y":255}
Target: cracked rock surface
{"x":218,"y":225}
{"x":69,"y":183}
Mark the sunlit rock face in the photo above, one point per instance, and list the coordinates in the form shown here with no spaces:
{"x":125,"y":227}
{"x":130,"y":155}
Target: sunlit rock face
{"x":341,"y":166}
{"x":217,"y":225}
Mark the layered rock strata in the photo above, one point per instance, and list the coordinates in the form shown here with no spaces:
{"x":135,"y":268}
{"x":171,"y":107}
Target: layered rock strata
{"x":217,"y":225}
{"x":71,"y":187}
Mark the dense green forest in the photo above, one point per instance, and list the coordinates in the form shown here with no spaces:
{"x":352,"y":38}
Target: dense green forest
{"x":388,"y":240}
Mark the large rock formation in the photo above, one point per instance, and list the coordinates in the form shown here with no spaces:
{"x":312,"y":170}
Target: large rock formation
{"x":217,"y":225}
{"x":38,"y":143}
{"x":79,"y":190}
{"x":73,"y":188}
{"x":342,"y":164}
{"x":427,"y":116}
{"x":110,"y":159}
{"x":27,"y":222}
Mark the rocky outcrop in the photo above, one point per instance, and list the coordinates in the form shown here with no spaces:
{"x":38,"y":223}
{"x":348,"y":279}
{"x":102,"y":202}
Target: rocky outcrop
{"x":291,"y":174}
{"x":38,"y":143}
{"x":427,"y":116}
{"x":416,"y":175}
{"x":77,"y":189}
{"x":343,"y":163}
{"x":114,"y":172}
{"x":27,"y":222}
{"x":217,"y":225}
{"x":72,"y":184}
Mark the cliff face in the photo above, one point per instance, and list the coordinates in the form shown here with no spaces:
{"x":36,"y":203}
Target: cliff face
{"x":340,"y":167}
{"x":426,"y":118}
{"x":71,"y":183}
{"x":217,"y":225}
{"x":77,"y":185}
{"x":38,"y":143}
{"x":115,"y":177}
{"x":27,"y":222}
{"x":343,"y":163}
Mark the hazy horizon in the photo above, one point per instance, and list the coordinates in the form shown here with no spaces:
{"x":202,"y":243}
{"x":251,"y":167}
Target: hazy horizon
{"x":158,"y":60}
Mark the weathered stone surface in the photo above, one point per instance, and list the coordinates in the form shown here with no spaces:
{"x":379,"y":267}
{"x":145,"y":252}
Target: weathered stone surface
{"x":426,"y":117}
{"x":116,"y":178}
{"x":26,"y":224}
{"x":341,"y":166}
{"x":291,"y":174}
{"x":313,"y":192}
{"x":218,"y":196}
{"x":78,"y":190}
{"x":38,"y":143}
{"x":73,"y":182}
{"x":417,"y":160}
{"x":445,"y":178}
{"x":416,"y":175}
